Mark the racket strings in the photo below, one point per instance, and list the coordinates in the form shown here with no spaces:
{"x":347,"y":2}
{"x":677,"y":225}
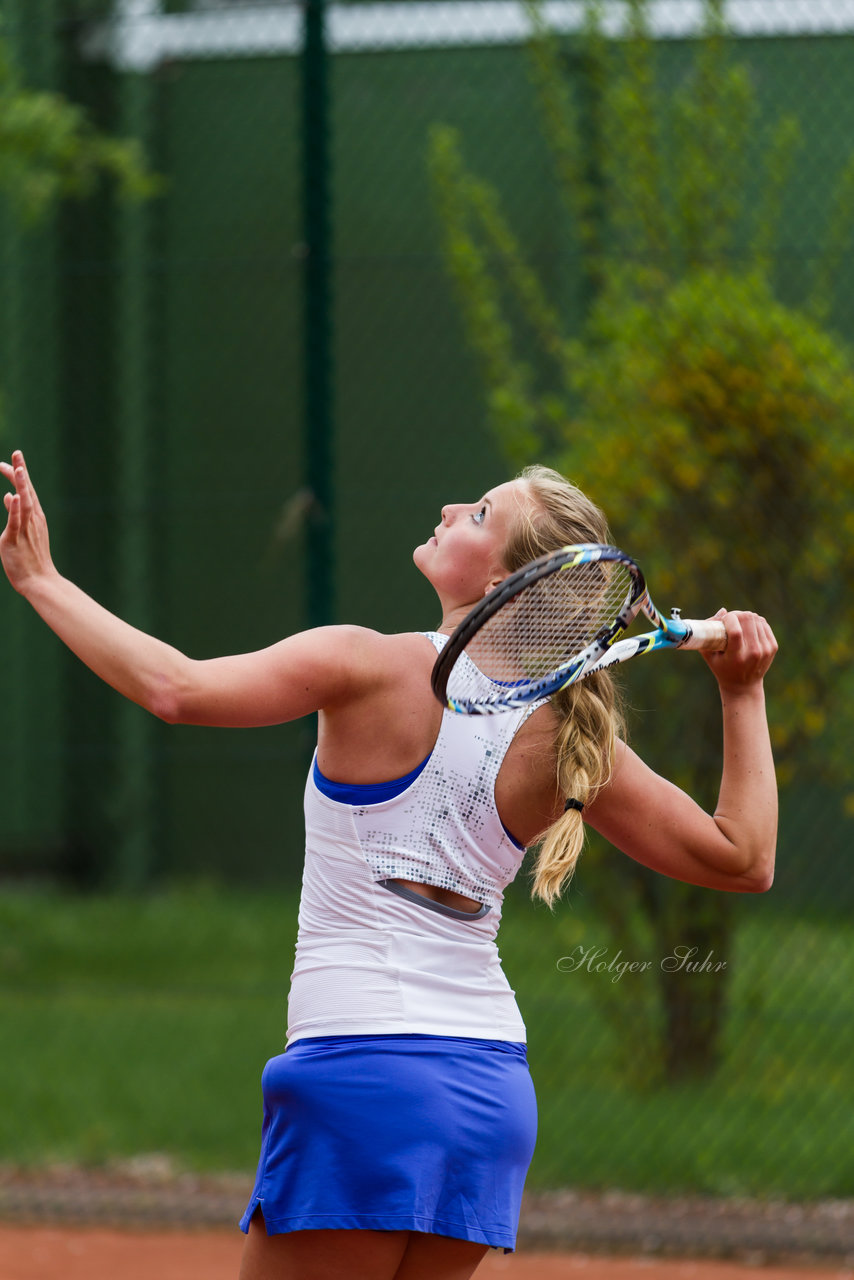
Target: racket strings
{"x":543,"y":627}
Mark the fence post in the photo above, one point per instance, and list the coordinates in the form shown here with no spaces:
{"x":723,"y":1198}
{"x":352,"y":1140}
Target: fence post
{"x":133,"y":819}
{"x":317,"y":323}
{"x":31,"y":397}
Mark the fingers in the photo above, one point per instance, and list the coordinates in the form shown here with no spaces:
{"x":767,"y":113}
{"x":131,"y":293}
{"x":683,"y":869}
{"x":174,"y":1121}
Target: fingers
{"x":11,"y":501}
{"x":22,"y":506}
{"x":24,"y":543}
{"x":16,"y":473}
{"x":17,"y":461}
{"x":13,"y":507}
{"x":757,"y":638}
{"x":16,"y":470}
{"x":25,"y":492}
{"x":21,"y":466}
{"x":751,"y":646}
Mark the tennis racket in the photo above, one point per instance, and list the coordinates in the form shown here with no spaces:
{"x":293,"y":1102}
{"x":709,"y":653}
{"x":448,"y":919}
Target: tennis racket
{"x":555,"y":621}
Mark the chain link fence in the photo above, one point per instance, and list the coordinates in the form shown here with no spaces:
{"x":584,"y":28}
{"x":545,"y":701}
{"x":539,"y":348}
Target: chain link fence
{"x":244,"y":399}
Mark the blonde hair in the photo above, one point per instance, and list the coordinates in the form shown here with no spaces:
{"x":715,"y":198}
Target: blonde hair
{"x":556,"y":514}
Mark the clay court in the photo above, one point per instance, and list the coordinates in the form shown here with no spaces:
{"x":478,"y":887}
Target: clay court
{"x":75,"y":1224}
{"x":54,"y":1253}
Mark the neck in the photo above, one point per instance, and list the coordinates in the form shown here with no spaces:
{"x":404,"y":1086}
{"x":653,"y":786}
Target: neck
{"x":451,"y":618}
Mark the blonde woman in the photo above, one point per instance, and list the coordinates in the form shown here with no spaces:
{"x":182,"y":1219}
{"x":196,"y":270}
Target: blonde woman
{"x":400,"y":1121}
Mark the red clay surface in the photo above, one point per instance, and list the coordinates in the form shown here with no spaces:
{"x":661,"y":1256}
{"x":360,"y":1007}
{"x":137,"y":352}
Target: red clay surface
{"x":54,"y":1253}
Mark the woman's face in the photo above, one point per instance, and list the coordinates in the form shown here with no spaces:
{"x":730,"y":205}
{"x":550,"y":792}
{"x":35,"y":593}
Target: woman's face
{"x":465,"y":557}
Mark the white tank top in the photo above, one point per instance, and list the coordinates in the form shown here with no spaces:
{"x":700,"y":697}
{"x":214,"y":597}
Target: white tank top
{"x":378,"y":960}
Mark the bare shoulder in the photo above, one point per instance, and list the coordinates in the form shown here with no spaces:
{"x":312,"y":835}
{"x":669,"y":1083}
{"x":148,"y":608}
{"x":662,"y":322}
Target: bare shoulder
{"x":539,"y":732}
{"x":388,"y":654}
{"x":364,"y":645}
{"x":526,"y":788}
{"x":386,"y":719}
{"x":372,"y":665}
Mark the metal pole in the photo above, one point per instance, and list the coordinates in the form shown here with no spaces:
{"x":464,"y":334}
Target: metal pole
{"x":16,"y":341}
{"x":31,"y":396}
{"x":134,"y":813}
{"x":317,"y":326}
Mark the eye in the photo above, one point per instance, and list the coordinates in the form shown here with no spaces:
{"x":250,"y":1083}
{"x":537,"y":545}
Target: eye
{"x":479,"y":516}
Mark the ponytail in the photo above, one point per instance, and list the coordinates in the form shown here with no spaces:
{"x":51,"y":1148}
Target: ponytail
{"x":589,"y":714}
{"x":589,"y":722}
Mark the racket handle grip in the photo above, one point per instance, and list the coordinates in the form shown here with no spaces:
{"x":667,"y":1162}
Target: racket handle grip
{"x":708,"y":634}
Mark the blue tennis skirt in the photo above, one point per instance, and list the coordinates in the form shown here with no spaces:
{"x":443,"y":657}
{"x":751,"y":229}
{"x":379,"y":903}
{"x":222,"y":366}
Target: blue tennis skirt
{"x":396,"y":1133}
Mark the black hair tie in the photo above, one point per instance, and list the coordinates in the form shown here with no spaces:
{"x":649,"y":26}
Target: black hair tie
{"x":573,"y":804}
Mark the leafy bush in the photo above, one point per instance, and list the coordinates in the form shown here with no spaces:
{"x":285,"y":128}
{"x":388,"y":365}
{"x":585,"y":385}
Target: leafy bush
{"x":710,"y":420}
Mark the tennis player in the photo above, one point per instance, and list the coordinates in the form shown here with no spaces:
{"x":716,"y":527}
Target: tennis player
{"x":400,"y":1122}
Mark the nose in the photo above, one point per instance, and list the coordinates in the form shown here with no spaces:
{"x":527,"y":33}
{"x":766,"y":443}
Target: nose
{"x":448,"y":512}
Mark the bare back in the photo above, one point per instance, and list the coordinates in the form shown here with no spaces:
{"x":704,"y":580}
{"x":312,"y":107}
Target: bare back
{"x":392,"y":726}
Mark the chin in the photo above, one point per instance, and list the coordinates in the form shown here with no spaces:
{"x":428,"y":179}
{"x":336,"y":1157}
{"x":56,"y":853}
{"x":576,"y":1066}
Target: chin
{"x":420,"y":558}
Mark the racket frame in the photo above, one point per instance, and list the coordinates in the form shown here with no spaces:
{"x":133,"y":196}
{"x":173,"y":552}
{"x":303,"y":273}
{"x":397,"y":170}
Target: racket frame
{"x":606,"y":648}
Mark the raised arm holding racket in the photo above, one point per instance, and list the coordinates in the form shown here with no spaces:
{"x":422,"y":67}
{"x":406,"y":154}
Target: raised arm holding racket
{"x":400,"y":1122}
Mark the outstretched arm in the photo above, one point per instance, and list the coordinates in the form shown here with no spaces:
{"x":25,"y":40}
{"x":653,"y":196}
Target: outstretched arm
{"x":292,"y":678}
{"x":657,"y":824}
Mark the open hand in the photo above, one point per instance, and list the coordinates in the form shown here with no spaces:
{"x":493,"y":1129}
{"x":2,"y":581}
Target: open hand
{"x":750,"y":650}
{"x":24,"y":543}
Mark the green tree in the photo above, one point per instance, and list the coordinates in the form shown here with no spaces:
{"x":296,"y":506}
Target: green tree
{"x":50,"y":151}
{"x":713,"y":422}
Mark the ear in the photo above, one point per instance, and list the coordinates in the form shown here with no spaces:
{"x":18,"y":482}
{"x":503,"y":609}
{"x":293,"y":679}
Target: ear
{"x":493,"y":583}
